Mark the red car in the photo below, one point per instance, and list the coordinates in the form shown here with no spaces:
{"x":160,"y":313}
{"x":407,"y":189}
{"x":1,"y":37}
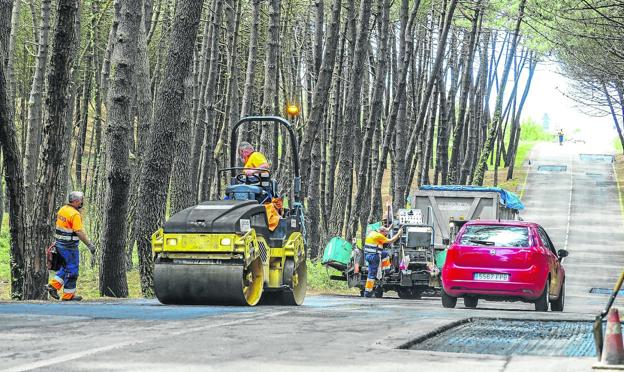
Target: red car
{"x":504,"y":261}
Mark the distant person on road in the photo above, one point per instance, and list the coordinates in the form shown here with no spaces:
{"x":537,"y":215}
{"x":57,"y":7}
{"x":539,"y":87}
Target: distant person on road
{"x":560,"y":135}
{"x":252,"y":158}
{"x":68,"y":234}
{"x":375,"y":254}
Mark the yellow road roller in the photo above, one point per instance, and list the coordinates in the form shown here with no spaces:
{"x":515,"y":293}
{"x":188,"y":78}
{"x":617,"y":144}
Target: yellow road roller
{"x":242,"y":250}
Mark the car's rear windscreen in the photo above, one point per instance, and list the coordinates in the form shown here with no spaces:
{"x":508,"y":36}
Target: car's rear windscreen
{"x":495,"y":236}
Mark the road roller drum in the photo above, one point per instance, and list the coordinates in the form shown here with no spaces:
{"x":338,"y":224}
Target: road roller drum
{"x":208,"y":283}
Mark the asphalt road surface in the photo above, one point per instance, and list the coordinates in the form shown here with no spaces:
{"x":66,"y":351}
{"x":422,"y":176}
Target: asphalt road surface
{"x":579,"y":207}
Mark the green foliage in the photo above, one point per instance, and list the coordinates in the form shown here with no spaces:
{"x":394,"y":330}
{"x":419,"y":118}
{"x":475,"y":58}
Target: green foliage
{"x":617,"y":145}
{"x":5,"y":267}
{"x":524,"y":149}
{"x":318,"y":279}
{"x":88,"y":282}
{"x":531,"y":131}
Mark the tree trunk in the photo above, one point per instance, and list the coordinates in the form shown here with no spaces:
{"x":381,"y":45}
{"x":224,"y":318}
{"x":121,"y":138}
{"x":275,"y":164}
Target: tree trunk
{"x":35,"y":106}
{"x":252,"y":56}
{"x":54,"y":134}
{"x":318,"y":36}
{"x":267,"y":140}
{"x":6,"y":11}
{"x":207,"y":164}
{"x":122,"y":89}
{"x":199,"y":106}
{"x":13,"y":176}
{"x":513,"y":147}
{"x":10,"y":52}
{"x":143,"y":109}
{"x":399,"y":158}
{"x":613,"y":115}
{"x":428,"y":139}
{"x":104,"y":75}
{"x":181,"y":185}
{"x":143,"y":92}
{"x":158,"y":158}
{"x":83,"y":118}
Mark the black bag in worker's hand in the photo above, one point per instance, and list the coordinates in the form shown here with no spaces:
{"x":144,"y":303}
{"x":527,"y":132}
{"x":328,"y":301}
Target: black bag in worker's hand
{"x":54,"y":259}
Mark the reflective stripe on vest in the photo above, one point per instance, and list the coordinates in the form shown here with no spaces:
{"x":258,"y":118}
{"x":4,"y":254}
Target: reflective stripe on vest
{"x":372,"y":249}
{"x":66,"y":237}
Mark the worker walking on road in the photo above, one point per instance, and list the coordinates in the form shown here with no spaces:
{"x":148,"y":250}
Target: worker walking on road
{"x":252,"y":158}
{"x":560,"y":135}
{"x":375,"y":254}
{"x":68,"y":234}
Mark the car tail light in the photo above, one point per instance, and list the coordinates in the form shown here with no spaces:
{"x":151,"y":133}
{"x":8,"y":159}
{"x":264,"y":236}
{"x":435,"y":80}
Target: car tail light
{"x":451,"y":253}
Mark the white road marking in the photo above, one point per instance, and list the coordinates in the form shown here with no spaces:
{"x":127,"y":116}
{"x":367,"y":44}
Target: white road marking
{"x":65,"y":358}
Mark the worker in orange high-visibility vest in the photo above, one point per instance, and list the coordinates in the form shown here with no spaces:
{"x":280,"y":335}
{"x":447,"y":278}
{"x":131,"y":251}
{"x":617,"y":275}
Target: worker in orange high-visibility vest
{"x":375,"y":254}
{"x":68,"y":234}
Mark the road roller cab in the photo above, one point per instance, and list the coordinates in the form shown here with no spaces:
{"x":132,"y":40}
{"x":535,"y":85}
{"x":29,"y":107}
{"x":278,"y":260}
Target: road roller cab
{"x":234,"y":251}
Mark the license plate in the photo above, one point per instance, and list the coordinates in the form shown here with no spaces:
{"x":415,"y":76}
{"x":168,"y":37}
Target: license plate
{"x":491,"y":277}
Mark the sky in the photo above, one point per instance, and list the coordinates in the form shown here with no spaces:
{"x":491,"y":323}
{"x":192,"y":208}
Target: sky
{"x":547,"y":96}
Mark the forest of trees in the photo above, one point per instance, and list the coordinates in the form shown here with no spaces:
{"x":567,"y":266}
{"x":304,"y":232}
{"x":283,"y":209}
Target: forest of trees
{"x":132,"y":102}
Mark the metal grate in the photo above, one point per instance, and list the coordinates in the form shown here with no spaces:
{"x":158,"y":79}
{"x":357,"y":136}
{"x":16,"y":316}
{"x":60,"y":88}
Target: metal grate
{"x":263,"y":252}
{"x":511,"y":337}
{"x":552,"y":168}
{"x":605,"y":183}
{"x":596,"y":175}
{"x":604,"y":291}
{"x":597,"y":158}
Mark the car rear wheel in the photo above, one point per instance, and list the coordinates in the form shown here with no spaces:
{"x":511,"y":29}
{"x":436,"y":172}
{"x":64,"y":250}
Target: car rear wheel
{"x":471,"y":302}
{"x":557,"y":305}
{"x":448,"y":302}
{"x":541,"y":304}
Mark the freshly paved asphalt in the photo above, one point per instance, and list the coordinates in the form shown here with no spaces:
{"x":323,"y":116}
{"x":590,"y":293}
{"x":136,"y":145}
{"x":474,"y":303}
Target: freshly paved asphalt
{"x":334,"y":333}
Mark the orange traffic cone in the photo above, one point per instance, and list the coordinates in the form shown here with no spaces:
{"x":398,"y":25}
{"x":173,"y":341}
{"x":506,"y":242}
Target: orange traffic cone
{"x":613,"y":350}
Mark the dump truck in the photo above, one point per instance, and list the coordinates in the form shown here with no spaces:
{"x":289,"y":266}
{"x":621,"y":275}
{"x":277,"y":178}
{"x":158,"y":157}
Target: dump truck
{"x":454,"y":205}
{"x":435,"y":216}
{"x":230,"y":251}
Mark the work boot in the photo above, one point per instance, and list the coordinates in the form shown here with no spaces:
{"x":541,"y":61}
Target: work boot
{"x":52,"y":292}
{"x":74,"y":298}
